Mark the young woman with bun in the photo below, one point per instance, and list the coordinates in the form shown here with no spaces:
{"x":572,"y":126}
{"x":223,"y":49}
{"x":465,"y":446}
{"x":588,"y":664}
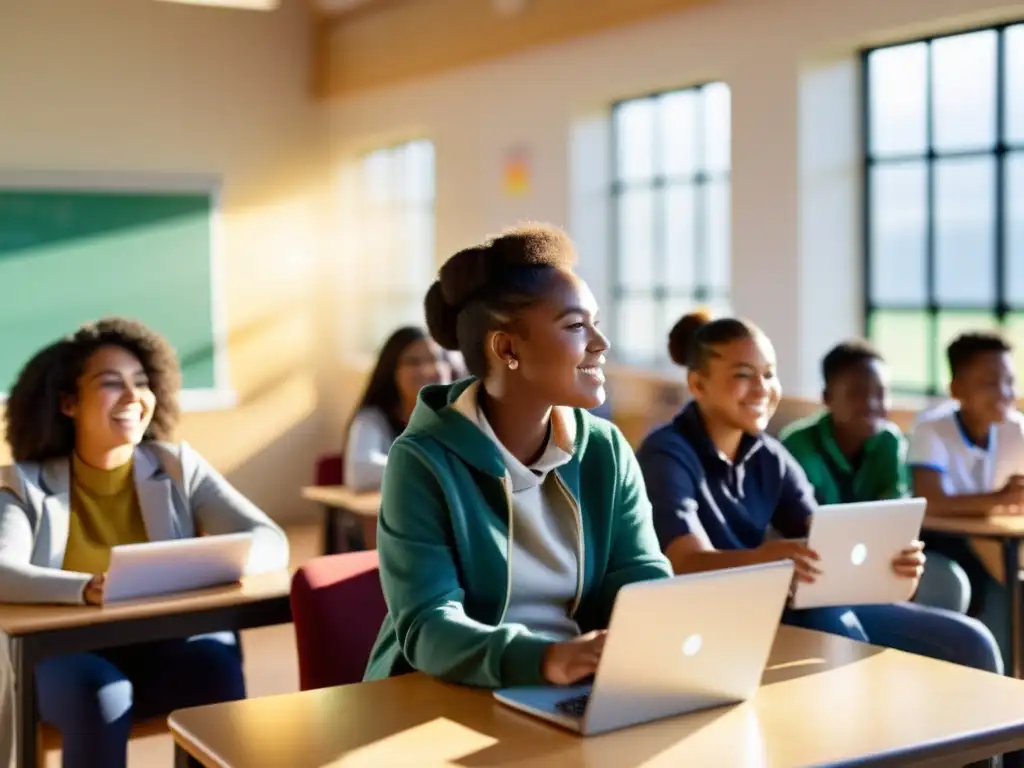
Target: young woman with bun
{"x":718,"y":484}
{"x":510,"y":516}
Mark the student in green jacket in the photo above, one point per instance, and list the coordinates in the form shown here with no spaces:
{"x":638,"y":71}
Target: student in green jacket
{"x":853,"y":452}
{"x":510,"y":517}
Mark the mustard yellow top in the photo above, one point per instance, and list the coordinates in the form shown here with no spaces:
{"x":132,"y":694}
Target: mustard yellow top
{"x":105,"y":512}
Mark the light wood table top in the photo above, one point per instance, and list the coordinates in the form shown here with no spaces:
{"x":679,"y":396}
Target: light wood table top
{"x":17,"y":620}
{"x":824,"y":700}
{"x":994,"y":526}
{"x":366,"y":504}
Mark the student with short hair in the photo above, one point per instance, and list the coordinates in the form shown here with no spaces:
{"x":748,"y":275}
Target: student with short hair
{"x":968,"y":460}
{"x":510,"y":516}
{"x":718,"y":485}
{"x":89,"y":423}
{"x":408,"y":361}
{"x":853,"y":452}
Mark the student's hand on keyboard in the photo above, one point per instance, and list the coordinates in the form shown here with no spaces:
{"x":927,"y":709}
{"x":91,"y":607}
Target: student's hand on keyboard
{"x":804,"y":559}
{"x":93,"y":593}
{"x":574,"y":660}
{"x":910,"y":562}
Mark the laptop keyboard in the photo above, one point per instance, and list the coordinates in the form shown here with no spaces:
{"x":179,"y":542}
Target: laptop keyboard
{"x":573,"y":707}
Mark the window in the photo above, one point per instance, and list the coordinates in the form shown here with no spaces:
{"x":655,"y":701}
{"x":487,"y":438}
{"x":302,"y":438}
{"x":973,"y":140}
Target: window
{"x":395,"y":237}
{"x":671,"y":215}
{"x":943,"y":197}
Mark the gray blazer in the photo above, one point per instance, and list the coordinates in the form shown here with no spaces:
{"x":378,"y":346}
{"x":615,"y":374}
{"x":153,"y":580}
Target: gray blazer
{"x":178,"y":491}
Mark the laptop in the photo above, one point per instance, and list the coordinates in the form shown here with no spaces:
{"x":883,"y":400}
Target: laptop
{"x":674,"y":646}
{"x":857,"y":543}
{"x":179,"y":565}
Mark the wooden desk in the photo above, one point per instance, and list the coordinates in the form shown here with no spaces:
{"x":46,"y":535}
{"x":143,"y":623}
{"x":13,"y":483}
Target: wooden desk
{"x":1008,"y":531}
{"x":39,"y":631}
{"x":338,"y":502}
{"x":824,"y":700}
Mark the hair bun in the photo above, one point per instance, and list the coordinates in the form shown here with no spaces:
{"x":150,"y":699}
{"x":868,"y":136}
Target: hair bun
{"x":442,"y":317}
{"x":683,"y":333}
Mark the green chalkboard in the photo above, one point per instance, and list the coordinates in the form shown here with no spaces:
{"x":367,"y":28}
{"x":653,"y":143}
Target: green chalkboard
{"x":71,"y":256}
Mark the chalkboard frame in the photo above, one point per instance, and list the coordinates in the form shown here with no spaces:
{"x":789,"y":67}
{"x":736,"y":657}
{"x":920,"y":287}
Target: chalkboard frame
{"x":222,"y":395}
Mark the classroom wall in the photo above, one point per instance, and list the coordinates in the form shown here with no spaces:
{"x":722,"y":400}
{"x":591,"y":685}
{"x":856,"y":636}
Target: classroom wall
{"x":791,"y":65}
{"x":145,"y":86}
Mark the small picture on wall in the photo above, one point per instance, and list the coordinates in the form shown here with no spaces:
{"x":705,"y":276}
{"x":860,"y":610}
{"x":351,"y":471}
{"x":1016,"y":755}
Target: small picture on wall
{"x":516,"y":172}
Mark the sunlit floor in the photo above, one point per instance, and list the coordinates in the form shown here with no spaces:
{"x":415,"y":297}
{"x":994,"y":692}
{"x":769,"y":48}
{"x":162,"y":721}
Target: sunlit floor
{"x":271,"y":665}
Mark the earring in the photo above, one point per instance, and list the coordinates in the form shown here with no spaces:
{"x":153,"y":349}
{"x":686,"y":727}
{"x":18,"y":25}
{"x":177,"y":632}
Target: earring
{"x":512,"y":363}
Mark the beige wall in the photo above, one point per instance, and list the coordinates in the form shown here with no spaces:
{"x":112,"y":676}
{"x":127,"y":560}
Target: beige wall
{"x":791,"y":65}
{"x":145,"y":86}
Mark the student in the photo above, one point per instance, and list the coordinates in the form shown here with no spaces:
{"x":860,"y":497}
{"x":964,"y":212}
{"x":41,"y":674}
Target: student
{"x":408,"y":361}
{"x":966,"y":459}
{"x":852,"y":452}
{"x":510,"y":515}
{"x":88,"y":422}
{"x":718,"y":484}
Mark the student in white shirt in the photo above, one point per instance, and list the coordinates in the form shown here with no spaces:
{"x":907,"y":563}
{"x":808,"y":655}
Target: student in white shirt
{"x":408,"y":361}
{"x":968,"y":460}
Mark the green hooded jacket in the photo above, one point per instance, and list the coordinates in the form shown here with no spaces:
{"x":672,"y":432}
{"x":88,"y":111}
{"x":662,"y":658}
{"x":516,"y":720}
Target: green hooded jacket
{"x":444,"y":540}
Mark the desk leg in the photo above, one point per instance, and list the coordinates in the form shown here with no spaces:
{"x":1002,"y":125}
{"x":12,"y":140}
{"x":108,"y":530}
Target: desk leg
{"x":1011,"y":563}
{"x":181,"y":757}
{"x":26,"y":717}
{"x":330,"y":543}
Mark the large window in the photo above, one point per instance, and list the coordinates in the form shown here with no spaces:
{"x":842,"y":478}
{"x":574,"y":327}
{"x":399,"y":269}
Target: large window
{"x":395,"y":242}
{"x":944,"y":197}
{"x":671,"y":204}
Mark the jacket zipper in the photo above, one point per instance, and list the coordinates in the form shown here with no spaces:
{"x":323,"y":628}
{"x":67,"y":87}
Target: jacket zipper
{"x":579,"y":544}
{"x":506,"y":484}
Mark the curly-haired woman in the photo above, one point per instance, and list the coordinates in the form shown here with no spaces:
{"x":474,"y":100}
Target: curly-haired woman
{"x":89,"y":423}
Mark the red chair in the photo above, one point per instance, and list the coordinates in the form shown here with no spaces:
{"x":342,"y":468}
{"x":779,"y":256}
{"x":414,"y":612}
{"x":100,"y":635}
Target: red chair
{"x":330,"y":470}
{"x":337,"y":607}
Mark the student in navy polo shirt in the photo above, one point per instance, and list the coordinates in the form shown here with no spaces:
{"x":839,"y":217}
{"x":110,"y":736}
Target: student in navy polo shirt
{"x":718,"y":485}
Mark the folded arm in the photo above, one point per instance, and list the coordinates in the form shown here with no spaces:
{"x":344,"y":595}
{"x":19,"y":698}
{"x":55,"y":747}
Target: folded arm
{"x":20,"y":580}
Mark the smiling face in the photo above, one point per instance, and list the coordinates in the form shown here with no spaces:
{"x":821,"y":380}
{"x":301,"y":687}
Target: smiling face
{"x":557,"y":345}
{"x":739,"y":387}
{"x":114,"y":403}
{"x":421,"y":363}
{"x":858,"y":398}
{"x":986,"y":387}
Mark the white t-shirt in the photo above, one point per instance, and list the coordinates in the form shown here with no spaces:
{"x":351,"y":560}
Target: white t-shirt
{"x":940,"y":442}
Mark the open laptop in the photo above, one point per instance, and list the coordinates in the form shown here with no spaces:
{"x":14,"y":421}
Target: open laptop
{"x":857,"y":543}
{"x":179,"y":565}
{"x":674,"y":646}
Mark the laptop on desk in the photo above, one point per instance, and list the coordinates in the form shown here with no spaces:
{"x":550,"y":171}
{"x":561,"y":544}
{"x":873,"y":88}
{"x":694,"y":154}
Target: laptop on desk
{"x":179,"y":565}
{"x":674,"y":646}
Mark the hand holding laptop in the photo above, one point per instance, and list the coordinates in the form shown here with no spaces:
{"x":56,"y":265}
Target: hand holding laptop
{"x":909,"y":563}
{"x":573,"y":660}
{"x":803,"y":557}
{"x":93,"y":592}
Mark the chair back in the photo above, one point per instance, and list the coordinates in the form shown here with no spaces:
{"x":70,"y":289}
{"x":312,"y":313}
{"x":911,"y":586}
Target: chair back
{"x":337,"y":608}
{"x":330,"y":470}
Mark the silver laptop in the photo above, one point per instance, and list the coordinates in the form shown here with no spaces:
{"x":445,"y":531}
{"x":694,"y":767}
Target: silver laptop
{"x":163,"y":567}
{"x":674,"y":646}
{"x":857,"y":544}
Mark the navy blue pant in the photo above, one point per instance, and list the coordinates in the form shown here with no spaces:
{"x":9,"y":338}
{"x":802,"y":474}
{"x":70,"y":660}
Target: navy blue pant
{"x":934,"y":632}
{"x":93,"y":698}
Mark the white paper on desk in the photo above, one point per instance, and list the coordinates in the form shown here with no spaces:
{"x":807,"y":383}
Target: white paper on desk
{"x":163,"y":567}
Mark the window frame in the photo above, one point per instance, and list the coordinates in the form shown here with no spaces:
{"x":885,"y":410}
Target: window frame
{"x":658,"y":182}
{"x":1002,"y":310}
{"x":397,"y":207}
